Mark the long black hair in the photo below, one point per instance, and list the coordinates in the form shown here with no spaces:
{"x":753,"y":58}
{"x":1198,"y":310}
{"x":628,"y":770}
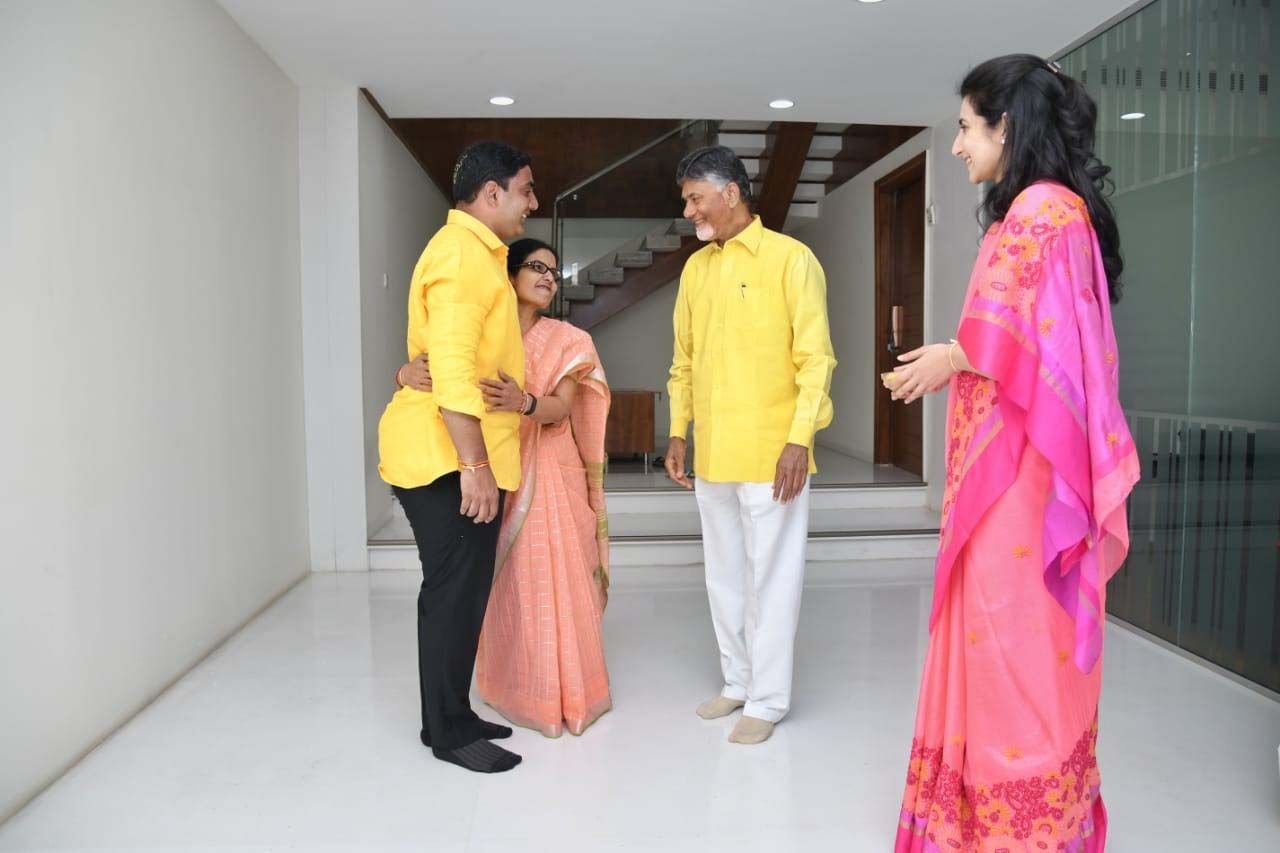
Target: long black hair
{"x":519,"y":252}
{"x":1049,"y":133}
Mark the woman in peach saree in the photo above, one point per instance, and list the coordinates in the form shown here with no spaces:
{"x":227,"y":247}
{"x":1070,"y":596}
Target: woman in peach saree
{"x":541,"y":658}
{"x":1039,"y":465}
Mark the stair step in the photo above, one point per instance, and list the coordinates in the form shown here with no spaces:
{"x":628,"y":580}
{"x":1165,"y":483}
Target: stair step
{"x":655,"y":535}
{"x":633,"y":260}
{"x":663,"y":242}
{"x":579,"y":292}
{"x":606,"y":275}
{"x":753,"y":144}
{"x":804,"y":192}
{"x":683,"y":227}
{"x":825,"y":146}
{"x":658,"y":552}
{"x":804,"y":210}
{"x":662,"y":553}
{"x":744,"y":144}
{"x":850,"y":499}
{"x":813,"y":170}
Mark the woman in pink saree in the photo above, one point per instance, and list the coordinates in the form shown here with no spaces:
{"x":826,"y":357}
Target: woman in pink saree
{"x":1039,"y":465}
{"x":541,"y":658}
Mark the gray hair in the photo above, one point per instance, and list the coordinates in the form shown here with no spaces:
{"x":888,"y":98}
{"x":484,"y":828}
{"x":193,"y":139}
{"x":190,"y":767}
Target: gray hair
{"x":717,"y":164}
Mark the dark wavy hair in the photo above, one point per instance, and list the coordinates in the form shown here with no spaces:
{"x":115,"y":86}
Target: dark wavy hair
{"x":519,"y":252}
{"x":1050,"y":122}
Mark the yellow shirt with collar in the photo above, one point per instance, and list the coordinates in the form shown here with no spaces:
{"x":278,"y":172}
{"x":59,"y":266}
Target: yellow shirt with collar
{"x":752,"y":361}
{"x":462,"y":309}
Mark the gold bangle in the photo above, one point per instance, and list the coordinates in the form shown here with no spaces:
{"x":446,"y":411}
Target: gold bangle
{"x":473,"y":466}
{"x":951,"y":361}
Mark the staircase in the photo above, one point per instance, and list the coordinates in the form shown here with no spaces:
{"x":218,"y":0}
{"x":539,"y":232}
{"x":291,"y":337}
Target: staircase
{"x":792,"y":168}
{"x":628,"y":274}
{"x":834,"y":154}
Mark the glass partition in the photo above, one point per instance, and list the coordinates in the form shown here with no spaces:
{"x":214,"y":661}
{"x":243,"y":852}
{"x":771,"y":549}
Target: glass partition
{"x":1189,"y":123}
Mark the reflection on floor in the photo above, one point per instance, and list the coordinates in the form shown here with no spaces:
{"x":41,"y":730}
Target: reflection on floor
{"x":300,"y":734}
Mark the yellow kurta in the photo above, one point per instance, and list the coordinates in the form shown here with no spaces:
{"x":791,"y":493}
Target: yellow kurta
{"x":753,"y":359}
{"x":462,"y":310}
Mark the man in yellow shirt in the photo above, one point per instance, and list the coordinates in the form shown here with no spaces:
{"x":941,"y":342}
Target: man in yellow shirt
{"x":448,"y":459}
{"x":752,"y":370}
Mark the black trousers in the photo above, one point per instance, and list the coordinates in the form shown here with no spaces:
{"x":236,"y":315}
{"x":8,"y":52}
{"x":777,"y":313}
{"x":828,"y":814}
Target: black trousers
{"x":457,"y":572}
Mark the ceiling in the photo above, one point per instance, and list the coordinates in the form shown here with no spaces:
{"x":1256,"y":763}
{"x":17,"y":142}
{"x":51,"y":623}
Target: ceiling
{"x":566,"y":151}
{"x":893,"y":62}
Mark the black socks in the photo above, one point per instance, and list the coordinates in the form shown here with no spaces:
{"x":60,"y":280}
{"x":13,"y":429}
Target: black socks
{"x":479,"y":756}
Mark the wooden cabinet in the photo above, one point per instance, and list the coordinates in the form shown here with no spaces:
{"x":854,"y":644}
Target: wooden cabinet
{"x":630,"y":427}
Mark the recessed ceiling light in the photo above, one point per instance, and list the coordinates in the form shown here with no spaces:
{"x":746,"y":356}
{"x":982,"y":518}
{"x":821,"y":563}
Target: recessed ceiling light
{"x":1132,"y":116}
{"x":868,"y":1}
{"x":782,"y":104}
{"x":502,"y":101}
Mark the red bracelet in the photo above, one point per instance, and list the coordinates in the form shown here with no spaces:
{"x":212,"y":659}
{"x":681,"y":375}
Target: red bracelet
{"x":399,"y":370}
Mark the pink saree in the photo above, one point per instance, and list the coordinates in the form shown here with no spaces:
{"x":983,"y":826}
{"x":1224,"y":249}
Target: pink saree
{"x":541,"y":657}
{"x":1039,"y":464}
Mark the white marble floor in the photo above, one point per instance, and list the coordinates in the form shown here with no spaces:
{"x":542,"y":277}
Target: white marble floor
{"x":301,"y":734}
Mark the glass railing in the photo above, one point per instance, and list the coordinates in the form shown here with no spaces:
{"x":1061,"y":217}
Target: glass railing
{"x":619,"y":206}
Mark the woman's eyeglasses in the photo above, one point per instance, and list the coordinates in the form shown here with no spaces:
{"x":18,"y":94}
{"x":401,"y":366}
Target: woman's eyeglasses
{"x":542,"y":269}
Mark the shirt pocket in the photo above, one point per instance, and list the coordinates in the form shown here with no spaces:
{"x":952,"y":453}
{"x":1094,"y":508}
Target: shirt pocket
{"x":750,"y":308}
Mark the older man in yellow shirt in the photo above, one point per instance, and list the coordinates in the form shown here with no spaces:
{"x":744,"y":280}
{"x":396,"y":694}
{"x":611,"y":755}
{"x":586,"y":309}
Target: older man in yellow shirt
{"x":751,"y":370}
{"x":449,"y":459}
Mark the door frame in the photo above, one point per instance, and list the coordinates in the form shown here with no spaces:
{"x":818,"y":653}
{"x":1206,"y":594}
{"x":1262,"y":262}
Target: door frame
{"x":913,"y":170}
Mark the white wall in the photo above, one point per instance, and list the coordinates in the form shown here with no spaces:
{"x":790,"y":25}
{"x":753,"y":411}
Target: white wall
{"x":329,"y":192}
{"x":400,"y":208}
{"x":843,"y":239}
{"x":635,"y":346}
{"x":153,"y":489}
{"x":951,"y":247}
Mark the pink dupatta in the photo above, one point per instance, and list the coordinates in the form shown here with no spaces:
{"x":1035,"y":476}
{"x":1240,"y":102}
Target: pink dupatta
{"x":1037,"y":321}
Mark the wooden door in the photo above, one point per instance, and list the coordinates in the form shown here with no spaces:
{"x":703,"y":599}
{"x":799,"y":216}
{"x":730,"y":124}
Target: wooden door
{"x":900,"y":210}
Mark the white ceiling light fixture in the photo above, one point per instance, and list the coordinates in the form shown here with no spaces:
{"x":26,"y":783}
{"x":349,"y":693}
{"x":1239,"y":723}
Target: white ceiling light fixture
{"x":1132,"y":116}
{"x":868,"y":1}
{"x":502,"y":100}
{"x":323,"y":40}
{"x":782,"y":104}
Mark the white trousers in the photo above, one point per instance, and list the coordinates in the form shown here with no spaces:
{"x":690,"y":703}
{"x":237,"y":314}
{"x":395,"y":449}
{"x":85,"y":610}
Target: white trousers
{"x":754,"y":550}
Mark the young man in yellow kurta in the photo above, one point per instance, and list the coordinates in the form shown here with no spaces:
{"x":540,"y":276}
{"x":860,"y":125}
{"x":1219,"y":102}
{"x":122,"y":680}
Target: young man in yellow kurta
{"x":751,"y":370}
{"x":449,"y":460}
